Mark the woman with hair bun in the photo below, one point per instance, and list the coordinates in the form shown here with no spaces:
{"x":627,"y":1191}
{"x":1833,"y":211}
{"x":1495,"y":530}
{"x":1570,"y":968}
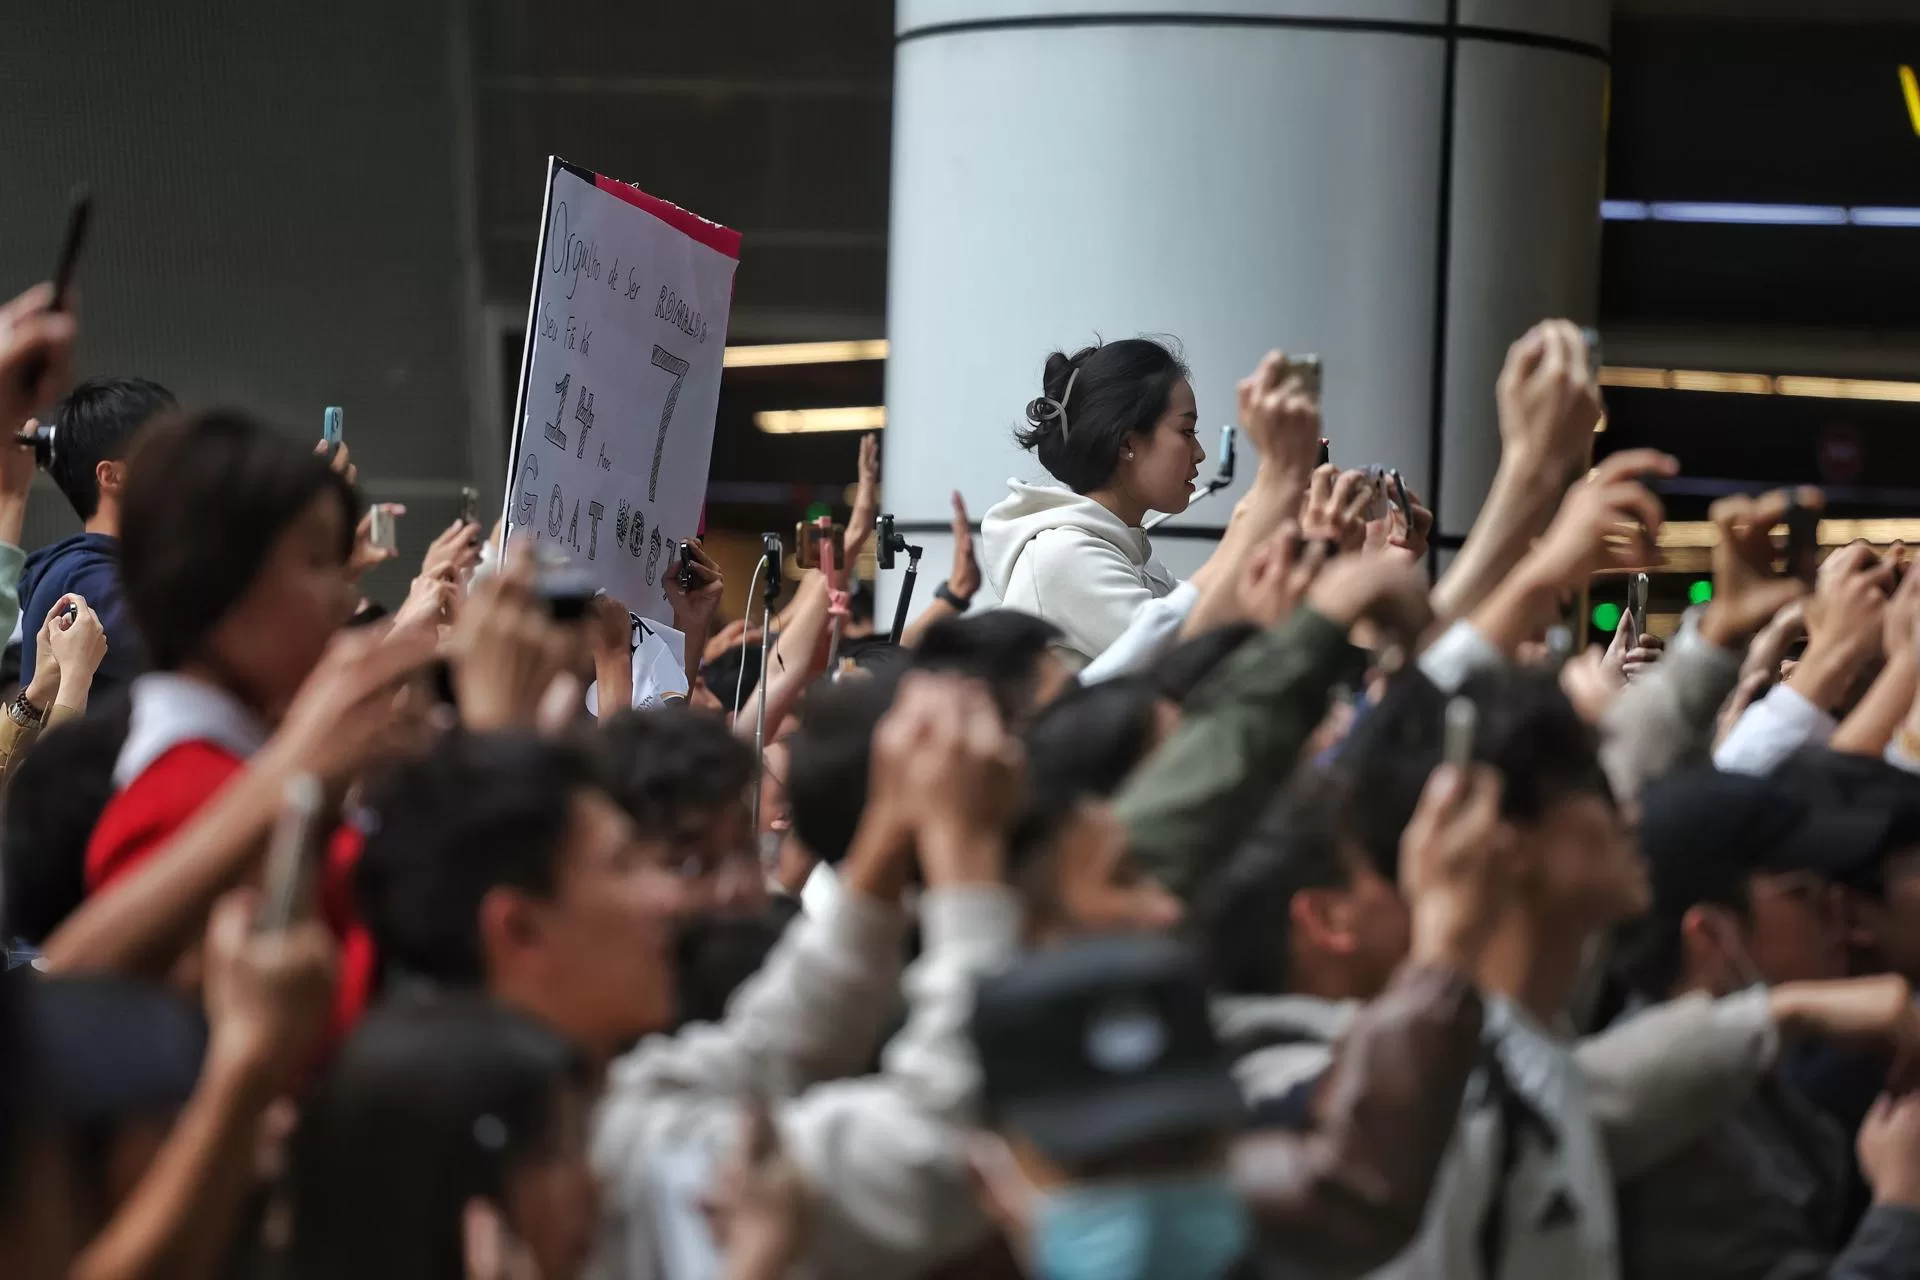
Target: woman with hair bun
{"x":1116,"y":425}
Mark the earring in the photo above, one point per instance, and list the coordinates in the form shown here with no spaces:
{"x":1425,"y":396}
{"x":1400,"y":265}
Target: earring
{"x":1129,"y":455}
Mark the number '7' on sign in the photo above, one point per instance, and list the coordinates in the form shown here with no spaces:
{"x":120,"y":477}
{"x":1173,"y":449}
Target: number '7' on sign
{"x":673,"y":364}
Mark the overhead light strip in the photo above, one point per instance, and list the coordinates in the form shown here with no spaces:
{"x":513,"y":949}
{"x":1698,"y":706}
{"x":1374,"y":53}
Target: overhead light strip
{"x":1684,"y":534}
{"x":784,"y":353}
{"x":1760,"y":384}
{"x":793,"y":422}
{"x":1736,"y":213}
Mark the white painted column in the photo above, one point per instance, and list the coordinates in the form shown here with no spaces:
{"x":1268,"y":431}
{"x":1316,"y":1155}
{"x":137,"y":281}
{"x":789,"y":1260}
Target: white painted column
{"x":1401,"y":186}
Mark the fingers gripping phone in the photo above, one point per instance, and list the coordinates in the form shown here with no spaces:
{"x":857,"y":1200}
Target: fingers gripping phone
{"x":1803,"y":544}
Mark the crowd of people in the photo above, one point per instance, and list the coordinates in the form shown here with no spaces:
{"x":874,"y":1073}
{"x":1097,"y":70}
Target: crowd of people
{"x":1311,"y":916}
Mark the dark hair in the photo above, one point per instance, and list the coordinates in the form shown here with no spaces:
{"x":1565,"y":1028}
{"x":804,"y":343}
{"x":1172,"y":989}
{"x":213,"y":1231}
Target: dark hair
{"x":1002,"y":648}
{"x":1186,"y":668}
{"x":1081,"y":747}
{"x":714,"y":955}
{"x":206,"y":499}
{"x":829,"y":757}
{"x":876,"y":654}
{"x":96,"y":423}
{"x":55,"y":796}
{"x":433,"y":1102}
{"x":1121,"y":389}
{"x":477,"y":812}
{"x":1243,"y":916}
{"x":663,"y":765}
{"x":1645,"y":955}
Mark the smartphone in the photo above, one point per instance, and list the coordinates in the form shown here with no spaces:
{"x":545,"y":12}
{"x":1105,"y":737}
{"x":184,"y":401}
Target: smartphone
{"x":292,"y":856}
{"x":685,"y":574}
{"x":1591,"y":337}
{"x":383,"y":528}
{"x":1377,"y":479}
{"x":469,"y":504}
{"x":1307,"y":369}
{"x":1803,"y":544}
{"x":1401,"y":499}
{"x":332,"y":427}
{"x":1637,"y":604}
{"x":79,"y":215}
{"x":1326,"y":452}
{"x":807,"y":538}
{"x":566,"y":592}
{"x":1463,"y":722}
{"x":1227,"y":435}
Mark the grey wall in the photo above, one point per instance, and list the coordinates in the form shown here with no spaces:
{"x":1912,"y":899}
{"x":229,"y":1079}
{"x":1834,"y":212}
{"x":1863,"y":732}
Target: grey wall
{"x":276,"y":217}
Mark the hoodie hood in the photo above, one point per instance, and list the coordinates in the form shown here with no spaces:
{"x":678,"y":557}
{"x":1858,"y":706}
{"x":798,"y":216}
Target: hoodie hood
{"x":70,"y":559}
{"x":1032,"y":509}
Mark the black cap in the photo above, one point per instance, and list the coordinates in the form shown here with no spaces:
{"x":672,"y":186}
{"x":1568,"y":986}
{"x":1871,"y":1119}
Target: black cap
{"x":110,"y":1048}
{"x":1101,"y":1045}
{"x":1703,"y":832}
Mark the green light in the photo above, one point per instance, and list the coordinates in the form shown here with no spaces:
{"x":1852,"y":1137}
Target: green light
{"x":1606,"y":615}
{"x":1700,"y":592}
{"x":817,"y":510}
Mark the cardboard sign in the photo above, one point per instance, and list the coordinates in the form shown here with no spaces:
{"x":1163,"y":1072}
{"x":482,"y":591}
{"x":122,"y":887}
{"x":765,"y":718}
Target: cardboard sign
{"x":626,"y":332}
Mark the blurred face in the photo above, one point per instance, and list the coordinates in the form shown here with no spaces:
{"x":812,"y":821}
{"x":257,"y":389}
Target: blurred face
{"x":1589,"y":871}
{"x":596,"y":961}
{"x":1166,"y":461}
{"x":1793,"y":931}
{"x":1097,"y":888}
{"x":1889,"y":928}
{"x":551,"y":1201}
{"x":269,"y":641}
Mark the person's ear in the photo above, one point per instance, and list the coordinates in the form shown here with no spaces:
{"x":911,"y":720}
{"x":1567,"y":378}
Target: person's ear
{"x":1323,"y":919}
{"x":510,"y":927}
{"x":110,"y":475}
{"x":1707,"y":954}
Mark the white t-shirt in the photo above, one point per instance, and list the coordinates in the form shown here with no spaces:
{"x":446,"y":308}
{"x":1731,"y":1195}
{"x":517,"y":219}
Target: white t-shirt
{"x":659,"y":667}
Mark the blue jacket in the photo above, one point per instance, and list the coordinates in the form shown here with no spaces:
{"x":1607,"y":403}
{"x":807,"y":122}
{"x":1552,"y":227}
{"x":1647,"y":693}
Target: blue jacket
{"x":87,"y":564}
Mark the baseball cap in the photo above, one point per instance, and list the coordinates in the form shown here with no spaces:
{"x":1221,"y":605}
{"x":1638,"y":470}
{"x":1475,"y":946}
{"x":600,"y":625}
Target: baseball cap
{"x":1703,"y":831}
{"x":1100,"y":1045}
{"x":110,"y":1048}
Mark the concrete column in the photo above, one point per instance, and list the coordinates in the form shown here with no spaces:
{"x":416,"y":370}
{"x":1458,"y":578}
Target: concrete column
{"x":1401,"y":186}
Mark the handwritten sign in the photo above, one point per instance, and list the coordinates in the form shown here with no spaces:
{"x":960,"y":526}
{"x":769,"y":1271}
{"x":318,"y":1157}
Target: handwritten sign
{"x":625,"y":335}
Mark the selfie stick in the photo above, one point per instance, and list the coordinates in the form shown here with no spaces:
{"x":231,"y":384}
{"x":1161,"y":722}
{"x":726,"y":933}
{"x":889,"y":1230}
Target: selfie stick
{"x":770,"y":561}
{"x":1221,"y":479}
{"x":891,"y":545}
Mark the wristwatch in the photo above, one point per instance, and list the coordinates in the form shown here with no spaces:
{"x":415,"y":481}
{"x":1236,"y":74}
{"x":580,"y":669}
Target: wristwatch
{"x":24,"y":713}
{"x":945,"y":592}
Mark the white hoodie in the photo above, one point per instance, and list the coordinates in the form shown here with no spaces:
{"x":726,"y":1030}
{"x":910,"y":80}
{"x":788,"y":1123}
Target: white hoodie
{"x":1051,"y":552}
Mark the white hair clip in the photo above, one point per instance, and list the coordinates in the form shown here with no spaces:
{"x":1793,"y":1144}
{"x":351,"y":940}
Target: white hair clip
{"x":1046,"y":408}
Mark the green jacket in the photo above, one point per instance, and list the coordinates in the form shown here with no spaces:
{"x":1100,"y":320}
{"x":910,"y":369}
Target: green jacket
{"x":1188,"y":809}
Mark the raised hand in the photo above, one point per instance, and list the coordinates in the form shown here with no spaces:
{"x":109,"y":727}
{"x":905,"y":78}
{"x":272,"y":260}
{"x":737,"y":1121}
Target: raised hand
{"x":31,"y":336}
{"x":866,"y":500}
{"x":1280,"y":419}
{"x":458,"y":546}
{"x":1336,"y":510}
{"x":1746,"y":592}
{"x":696,"y":607}
{"x":1277,"y":575}
{"x":432,"y":601}
{"x":1457,"y":866}
{"x":507,"y":653}
{"x":1611,"y":520}
{"x":1846,"y":617}
{"x":78,"y":645}
{"x":1383,"y":589}
{"x":355,"y":708}
{"x":1548,"y":401}
{"x":943,"y":759}
{"x":1629,"y":654}
{"x":964,"y":579}
{"x":266,"y":993}
{"x":368,"y":554}
{"x":1889,"y":1149}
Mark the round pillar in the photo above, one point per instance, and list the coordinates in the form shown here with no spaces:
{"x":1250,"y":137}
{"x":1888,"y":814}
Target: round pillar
{"x":1402,"y":186}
